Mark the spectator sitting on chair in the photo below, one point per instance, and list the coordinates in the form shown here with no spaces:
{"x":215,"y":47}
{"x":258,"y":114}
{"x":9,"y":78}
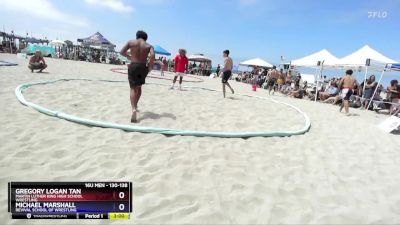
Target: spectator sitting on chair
{"x":331,"y":91}
{"x":37,"y":62}
{"x":394,"y":95}
{"x":299,"y":92}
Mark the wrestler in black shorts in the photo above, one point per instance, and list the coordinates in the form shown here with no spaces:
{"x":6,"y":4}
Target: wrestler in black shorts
{"x":137,"y":73}
{"x":271,"y":82}
{"x":226,"y":76}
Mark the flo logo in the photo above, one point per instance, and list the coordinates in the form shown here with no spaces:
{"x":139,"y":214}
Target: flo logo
{"x":377,"y":14}
{"x":28,"y":215}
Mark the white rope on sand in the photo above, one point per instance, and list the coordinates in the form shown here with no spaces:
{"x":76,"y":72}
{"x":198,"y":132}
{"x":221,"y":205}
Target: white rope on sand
{"x":166,"y":131}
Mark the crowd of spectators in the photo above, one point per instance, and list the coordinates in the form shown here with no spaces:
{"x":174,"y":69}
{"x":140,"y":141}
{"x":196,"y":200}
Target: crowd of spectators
{"x":91,"y":55}
{"x":290,"y":83}
{"x":371,"y":96}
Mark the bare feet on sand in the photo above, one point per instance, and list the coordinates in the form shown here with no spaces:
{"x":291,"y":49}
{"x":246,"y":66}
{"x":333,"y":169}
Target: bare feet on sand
{"x":134,"y":116}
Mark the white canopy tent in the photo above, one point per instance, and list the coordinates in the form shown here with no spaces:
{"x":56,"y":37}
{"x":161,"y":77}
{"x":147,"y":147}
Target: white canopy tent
{"x":199,"y":58}
{"x":359,"y":57}
{"x":256,"y":62}
{"x":312,"y":60}
{"x":317,"y":60}
{"x":202,"y":59}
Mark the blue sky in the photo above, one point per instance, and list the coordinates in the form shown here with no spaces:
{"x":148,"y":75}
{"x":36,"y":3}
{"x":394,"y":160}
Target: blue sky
{"x":249,"y":28}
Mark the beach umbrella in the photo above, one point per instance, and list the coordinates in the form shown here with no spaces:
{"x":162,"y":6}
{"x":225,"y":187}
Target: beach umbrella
{"x":256,"y":62}
{"x":161,"y":51}
{"x":57,"y":43}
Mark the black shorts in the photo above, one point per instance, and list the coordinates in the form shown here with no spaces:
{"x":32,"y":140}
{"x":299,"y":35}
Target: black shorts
{"x":137,"y":73}
{"x":272,"y":82}
{"x":348,"y":95}
{"x":226,"y":75}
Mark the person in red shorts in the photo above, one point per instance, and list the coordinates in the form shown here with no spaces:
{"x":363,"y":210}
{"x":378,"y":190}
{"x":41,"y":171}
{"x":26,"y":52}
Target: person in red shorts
{"x":181,"y":63}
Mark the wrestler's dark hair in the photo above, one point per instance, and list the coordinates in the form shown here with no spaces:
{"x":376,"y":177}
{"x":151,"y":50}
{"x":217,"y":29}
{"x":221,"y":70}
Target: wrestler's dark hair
{"x":393,"y":82}
{"x":349,"y":72}
{"x":273,"y":67}
{"x":226,"y":52}
{"x":141,"y":34}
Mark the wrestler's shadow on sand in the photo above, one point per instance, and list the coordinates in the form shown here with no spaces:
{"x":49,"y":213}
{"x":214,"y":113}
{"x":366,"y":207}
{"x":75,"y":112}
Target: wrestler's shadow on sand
{"x":233,"y":98}
{"x":156,"y":116}
{"x":43,"y":72}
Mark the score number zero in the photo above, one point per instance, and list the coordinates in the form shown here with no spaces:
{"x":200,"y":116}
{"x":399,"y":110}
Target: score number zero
{"x":121,"y":195}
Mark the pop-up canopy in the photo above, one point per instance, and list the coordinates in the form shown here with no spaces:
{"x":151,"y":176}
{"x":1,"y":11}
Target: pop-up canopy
{"x":96,"y":39}
{"x":359,"y":57}
{"x":394,"y":66}
{"x":199,"y":58}
{"x":313,"y":59}
{"x":317,"y":60}
{"x":256,"y":62}
{"x":159,"y":50}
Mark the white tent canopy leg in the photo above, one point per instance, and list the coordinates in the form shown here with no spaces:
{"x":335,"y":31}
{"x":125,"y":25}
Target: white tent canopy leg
{"x":376,"y":89}
{"x":365,"y":79}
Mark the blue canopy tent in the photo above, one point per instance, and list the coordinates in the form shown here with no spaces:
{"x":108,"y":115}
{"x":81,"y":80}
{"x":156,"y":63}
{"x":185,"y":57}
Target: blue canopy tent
{"x":159,"y":50}
{"x":97,"y":39}
{"x":395,"y":66}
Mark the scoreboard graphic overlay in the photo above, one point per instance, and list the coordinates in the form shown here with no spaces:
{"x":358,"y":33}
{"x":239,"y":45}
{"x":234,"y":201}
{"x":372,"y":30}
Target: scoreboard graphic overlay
{"x":70,"y":200}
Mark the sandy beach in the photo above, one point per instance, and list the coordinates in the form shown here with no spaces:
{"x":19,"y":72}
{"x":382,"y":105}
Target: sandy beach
{"x":343,"y":171}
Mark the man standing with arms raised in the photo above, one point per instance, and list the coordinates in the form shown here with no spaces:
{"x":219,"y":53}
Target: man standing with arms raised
{"x":137,"y":71}
{"x":227,"y":71}
{"x":181,"y":65}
